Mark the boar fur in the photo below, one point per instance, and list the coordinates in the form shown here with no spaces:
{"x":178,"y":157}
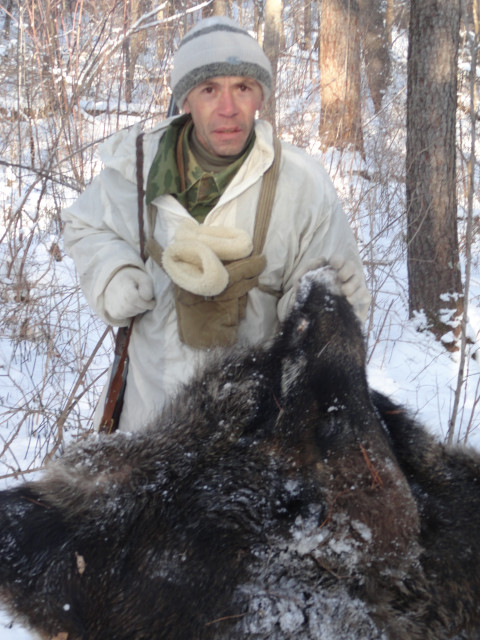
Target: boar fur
{"x":278,"y":498}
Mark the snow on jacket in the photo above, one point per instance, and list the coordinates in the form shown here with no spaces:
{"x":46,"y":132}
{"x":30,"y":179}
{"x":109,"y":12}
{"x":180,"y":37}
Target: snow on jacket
{"x":307,"y":227}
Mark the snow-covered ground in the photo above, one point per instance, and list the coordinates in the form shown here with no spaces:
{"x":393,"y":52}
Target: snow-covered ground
{"x":403,"y":362}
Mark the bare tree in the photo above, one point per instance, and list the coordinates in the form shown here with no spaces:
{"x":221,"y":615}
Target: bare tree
{"x":130,"y":7}
{"x":215,"y":8}
{"x":341,"y":114}
{"x":258,"y":19}
{"x":433,"y":256}
{"x":271,"y":45}
{"x":473,"y":40}
{"x":375,"y":47}
{"x":306,"y":43}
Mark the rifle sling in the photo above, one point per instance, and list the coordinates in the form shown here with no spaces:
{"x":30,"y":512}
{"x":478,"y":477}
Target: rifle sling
{"x":114,"y":400}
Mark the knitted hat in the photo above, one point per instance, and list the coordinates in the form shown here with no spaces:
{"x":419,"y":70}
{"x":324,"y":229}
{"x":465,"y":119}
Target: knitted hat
{"x":218,"y":46}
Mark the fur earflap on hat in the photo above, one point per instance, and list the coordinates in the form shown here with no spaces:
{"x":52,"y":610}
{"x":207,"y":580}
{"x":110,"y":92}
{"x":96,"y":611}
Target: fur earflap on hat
{"x":218,"y":46}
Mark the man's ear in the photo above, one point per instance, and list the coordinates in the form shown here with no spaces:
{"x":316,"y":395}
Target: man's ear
{"x":262,"y":103}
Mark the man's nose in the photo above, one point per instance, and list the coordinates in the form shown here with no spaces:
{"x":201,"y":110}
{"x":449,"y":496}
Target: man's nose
{"x":227,"y":105}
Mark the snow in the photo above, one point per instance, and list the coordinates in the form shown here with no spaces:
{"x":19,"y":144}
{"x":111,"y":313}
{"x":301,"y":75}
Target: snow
{"x":403,"y":361}
{"x":11,"y":631}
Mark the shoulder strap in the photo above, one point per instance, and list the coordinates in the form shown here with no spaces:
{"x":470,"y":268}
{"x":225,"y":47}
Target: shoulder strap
{"x":265,"y":201}
{"x":140,"y":194}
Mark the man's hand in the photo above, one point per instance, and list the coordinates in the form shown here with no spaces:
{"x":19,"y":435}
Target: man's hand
{"x":128,"y":294}
{"x":352,"y":285}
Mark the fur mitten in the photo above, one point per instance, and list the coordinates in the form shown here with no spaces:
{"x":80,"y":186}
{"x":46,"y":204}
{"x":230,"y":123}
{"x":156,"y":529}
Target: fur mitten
{"x":193,"y":266}
{"x":228,"y":243}
{"x":194,"y":260}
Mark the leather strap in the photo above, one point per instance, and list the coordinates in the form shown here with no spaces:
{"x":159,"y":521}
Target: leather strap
{"x":265,"y":201}
{"x":140,"y":195}
{"x":180,"y":162}
{"x":118,"y":375}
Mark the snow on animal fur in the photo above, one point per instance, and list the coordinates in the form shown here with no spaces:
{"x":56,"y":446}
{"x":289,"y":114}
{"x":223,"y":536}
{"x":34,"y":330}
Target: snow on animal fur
{"x":279,"y":497}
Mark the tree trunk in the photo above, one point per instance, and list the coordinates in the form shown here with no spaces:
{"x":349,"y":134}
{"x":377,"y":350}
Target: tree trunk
{"x":307,"y":26}
{"x":340,"y":116}
{"x":8,"y":20}
{"x":258,"y":20}
{"x":271,"y":46}
{"x":376,"y":52}
{"x":433,"y":256}
{"x":132,"y":46}
{"x":389,"y":21}
{"x":215,"y":8}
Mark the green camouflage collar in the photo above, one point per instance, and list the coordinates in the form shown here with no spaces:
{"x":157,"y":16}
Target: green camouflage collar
{"x":196,"y":189}
{"x":163,"y":176}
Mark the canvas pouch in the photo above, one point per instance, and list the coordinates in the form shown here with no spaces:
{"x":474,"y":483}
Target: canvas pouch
{"x":208,"y":322}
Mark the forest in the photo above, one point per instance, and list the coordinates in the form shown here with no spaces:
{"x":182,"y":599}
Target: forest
{"x":383,"y":92}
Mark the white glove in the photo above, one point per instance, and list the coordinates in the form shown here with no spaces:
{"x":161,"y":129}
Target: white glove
{"x":352,"y":285}
{"x":128,"y":294}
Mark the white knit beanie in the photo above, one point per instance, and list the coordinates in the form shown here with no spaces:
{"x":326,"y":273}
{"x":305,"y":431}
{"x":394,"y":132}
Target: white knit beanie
{"x":218,"y":46}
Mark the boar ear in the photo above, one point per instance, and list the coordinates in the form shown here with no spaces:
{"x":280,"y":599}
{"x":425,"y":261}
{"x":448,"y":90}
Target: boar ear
{"x":28,"y":527}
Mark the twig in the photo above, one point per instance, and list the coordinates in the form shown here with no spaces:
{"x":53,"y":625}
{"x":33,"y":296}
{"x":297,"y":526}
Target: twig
{"x":71,"y":399}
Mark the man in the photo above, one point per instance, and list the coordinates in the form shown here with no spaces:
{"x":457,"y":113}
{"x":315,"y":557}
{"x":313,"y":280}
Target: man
{"x":203,"y":174}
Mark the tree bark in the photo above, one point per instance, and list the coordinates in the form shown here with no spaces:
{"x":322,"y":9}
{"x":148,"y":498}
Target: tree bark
{"x":271,"y":46}
{"x":8,"y":20}
{"x":376,"y":52}
{"x":341,"y":114}
{"x":258,"y":20}
{"x":307,"y":26}
{"x":215,"y":8}
{"x":389,"y":21}
{"x":433,"y":256}
{"x":133,"y":46}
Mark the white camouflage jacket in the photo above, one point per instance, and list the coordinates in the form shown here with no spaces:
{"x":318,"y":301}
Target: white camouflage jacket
{"x":307,"y":227}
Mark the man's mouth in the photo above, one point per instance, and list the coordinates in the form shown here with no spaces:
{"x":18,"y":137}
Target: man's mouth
{"x":228,"y":130}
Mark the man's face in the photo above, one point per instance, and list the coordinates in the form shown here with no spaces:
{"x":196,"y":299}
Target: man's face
{"x":223,"y":111}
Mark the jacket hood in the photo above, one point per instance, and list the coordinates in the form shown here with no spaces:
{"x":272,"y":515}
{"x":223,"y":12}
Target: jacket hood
{"x":119,"y":152}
